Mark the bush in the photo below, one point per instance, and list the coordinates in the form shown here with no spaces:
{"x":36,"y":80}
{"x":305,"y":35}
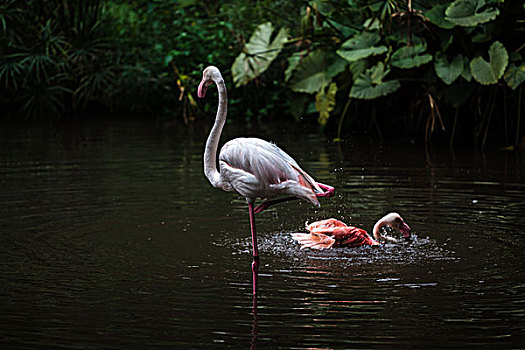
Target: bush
{"x":55,"y":56}
{"x":431,"y":65}
{"x":61,"y":58}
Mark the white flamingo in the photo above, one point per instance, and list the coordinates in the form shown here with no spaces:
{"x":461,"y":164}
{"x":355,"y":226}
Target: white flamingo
{"x":254,"y":168}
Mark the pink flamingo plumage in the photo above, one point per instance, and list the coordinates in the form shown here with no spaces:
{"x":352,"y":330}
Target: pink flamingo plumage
{"x":332,"y":233}
{"x":254,"y":168}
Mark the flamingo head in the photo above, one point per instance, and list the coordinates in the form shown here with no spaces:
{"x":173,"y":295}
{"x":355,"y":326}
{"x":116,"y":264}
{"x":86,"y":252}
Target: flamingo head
{"x":395,"y":221}
{"x":209,"y":75}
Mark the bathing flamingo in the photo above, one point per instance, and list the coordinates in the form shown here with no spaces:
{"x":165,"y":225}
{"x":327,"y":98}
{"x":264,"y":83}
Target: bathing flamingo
{"x":254,"y":168}
{"x":330,"y":233}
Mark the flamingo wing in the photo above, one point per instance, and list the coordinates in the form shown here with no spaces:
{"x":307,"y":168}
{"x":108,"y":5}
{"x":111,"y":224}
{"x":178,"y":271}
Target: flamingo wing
{"x":257,"y":168}
{"x":325,"y":225}
{"x":314,"y":240}
{"x":344,"y":235}
{"x":354,"y":237}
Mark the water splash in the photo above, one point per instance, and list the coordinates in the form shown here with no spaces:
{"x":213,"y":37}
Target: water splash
{"x":281,"y":244}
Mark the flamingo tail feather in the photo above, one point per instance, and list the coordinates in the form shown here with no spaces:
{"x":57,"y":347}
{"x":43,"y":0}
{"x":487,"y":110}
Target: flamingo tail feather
{"x":314,"y":241}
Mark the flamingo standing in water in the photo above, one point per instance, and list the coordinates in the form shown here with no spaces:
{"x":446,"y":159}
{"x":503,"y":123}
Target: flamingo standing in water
{"x":332,"y":233}
{"x":254,"y":168}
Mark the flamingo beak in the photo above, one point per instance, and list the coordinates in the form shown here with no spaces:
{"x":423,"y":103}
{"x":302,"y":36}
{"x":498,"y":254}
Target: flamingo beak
{"x":201,"y":91}
{"x":405,"y":230}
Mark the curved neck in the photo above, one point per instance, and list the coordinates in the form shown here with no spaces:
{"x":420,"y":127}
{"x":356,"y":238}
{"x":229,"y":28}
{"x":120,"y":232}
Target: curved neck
{"x":210,"y":152}
{"x":377,"y":229}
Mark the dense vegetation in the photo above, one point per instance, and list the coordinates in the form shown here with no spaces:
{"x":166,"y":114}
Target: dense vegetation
{"x":63,"y":57}
{"x":408,"y":68}
{"x":60,"y":58}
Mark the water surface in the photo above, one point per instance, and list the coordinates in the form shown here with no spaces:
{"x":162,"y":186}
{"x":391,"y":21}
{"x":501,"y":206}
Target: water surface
{"x":111,"y":237}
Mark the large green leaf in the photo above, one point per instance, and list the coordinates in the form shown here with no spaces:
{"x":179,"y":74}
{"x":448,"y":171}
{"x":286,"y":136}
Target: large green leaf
{"x":293,"y":62}
{"x":258,"y":53}
{"x":489,"y":72}
{"x":370,"y":84}
{"x":316,"y":71}
{"x":357,"y":67}
{"x":361,"y":46}
{"x":483,"y":34}
{"x":514,"y":75}
{"x":469,"y":13}
{"x":448,"y":72}
{"x":466,"y":73}
{"x":408,"y":57}
{"x":436,"y":15}
{"x":325,"y":103}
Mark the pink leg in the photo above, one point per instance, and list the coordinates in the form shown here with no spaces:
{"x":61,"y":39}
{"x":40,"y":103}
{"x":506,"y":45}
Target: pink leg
{"x":255,"y":263}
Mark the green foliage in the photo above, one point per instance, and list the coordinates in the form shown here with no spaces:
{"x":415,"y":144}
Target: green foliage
{"x":514,"y":75}
{"x":436,"y":15}
{"x":469,"y":41}
{"x":136,"y":56}
{"x":50,"y":51}
{"x":361,"y":46}
{"x":412,"y":56}
{"x":448,"y":71}
{"x":416,"y":62}
{"x":258,"y":53}
{"x":370,"y":85}
{"x":316,"y":71}
{"x":470,"y":13}
{"x":490,"y":72}
{"x":159,"y":46}
{"x":325,"y":103}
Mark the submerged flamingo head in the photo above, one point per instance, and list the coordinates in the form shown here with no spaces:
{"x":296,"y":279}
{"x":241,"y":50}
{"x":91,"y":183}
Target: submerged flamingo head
{"x":395,"y":221}
{"x":209,"y":75}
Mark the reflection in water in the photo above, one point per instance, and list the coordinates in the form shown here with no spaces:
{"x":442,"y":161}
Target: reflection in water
{"x":253,"y":341}
{"x":112,"y":238}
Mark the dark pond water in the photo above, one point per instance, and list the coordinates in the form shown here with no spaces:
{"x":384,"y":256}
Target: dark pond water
{"x":112,"y":238}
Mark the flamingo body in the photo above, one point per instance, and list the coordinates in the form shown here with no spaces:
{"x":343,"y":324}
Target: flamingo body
{"x":255,"y":168}
{"x":332,"y":233}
